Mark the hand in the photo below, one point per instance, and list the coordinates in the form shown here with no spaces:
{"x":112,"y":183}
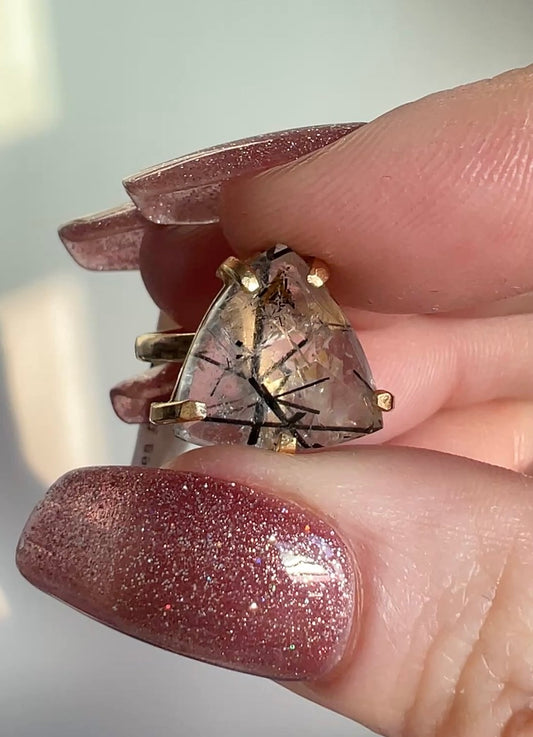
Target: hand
{"x":424,"y":623}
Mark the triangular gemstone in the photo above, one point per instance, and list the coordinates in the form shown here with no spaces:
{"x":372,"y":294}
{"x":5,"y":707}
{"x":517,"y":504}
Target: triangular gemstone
{"x":282,"y":362}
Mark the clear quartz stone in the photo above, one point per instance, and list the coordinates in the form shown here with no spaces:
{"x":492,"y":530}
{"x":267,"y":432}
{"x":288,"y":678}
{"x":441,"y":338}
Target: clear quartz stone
{"x":280,"y":362}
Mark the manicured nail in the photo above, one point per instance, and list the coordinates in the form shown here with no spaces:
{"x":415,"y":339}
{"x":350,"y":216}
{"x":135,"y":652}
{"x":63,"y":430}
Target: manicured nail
{"x":131,"y":398}
{"x":187,"y":189}
{"x":202,"y":567}
{"x":106,"y":241}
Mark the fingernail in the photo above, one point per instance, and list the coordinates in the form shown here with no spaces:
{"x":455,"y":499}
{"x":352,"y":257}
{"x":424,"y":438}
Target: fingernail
{"x":106,"y":241}
{"x":131,"y":399}
{"x":206,"y":568}
{"x":186,"y":190}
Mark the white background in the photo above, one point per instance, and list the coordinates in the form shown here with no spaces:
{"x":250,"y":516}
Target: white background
{"x":91,"y":92}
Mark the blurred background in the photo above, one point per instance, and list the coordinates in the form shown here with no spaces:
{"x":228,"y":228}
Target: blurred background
{"x":91,"y":92}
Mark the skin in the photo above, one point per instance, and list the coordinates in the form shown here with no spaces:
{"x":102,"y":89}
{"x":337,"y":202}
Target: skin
{"x":425,"y":217}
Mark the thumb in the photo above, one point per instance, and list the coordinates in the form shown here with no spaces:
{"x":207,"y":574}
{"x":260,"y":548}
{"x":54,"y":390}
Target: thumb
{"x":443,"y":547}
{"x":427,"y":207}
{"x":392,"y":584}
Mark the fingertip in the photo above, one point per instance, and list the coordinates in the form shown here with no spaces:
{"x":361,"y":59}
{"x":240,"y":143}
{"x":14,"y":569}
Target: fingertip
{"x":411,"y":210}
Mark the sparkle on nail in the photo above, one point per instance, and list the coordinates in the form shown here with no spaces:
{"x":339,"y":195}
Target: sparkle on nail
{"x":302,"y":568}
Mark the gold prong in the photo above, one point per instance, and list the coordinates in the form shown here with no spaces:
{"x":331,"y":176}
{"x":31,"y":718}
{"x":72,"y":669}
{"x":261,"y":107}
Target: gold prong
{"x":384,"y":400}
{"x":286,"y":443}
{"x":318,"y":273}
{"x":167,"y":413}
{"x":162,"y":347}
{"x":234,"y":271}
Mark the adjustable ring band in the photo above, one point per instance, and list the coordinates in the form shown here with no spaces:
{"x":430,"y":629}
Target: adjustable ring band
{"x":163,"y":347}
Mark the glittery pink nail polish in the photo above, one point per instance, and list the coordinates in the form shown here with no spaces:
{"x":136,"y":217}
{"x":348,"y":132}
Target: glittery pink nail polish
{"x":131,"y":398}
{"x":186,"y":190}
{"x":106,"y":241}
{"x":202,"y":567}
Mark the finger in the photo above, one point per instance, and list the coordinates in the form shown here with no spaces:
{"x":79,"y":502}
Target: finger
{"x":500,"y":433}
{"x":430,"y":364}
{"x":445,"y":553}
{"x":178,"y":266}
{"x":428,"y":208}
{"x":393,"y":583}
{"x":522,"y":304}
{"x":171,"y":255}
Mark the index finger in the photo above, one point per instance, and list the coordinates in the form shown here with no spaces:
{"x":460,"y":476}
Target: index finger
{"x":428,"y":208}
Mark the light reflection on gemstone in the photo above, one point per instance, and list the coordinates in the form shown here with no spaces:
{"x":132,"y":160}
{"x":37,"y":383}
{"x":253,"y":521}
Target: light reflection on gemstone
{"x":281,"y":361}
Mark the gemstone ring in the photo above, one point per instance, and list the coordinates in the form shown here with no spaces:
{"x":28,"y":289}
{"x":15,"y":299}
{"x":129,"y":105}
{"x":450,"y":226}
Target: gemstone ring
{"x":274,"y":363}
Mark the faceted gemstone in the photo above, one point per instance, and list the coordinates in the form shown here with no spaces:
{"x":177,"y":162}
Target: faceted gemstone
{"x":278,"y":364}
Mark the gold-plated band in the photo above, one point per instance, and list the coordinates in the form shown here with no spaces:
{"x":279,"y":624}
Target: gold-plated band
{"x":163,"y":347}
{"x":167,"y":413}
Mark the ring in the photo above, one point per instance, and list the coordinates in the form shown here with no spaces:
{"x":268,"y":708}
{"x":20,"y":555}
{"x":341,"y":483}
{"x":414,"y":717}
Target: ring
{"x":274,"y":363}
